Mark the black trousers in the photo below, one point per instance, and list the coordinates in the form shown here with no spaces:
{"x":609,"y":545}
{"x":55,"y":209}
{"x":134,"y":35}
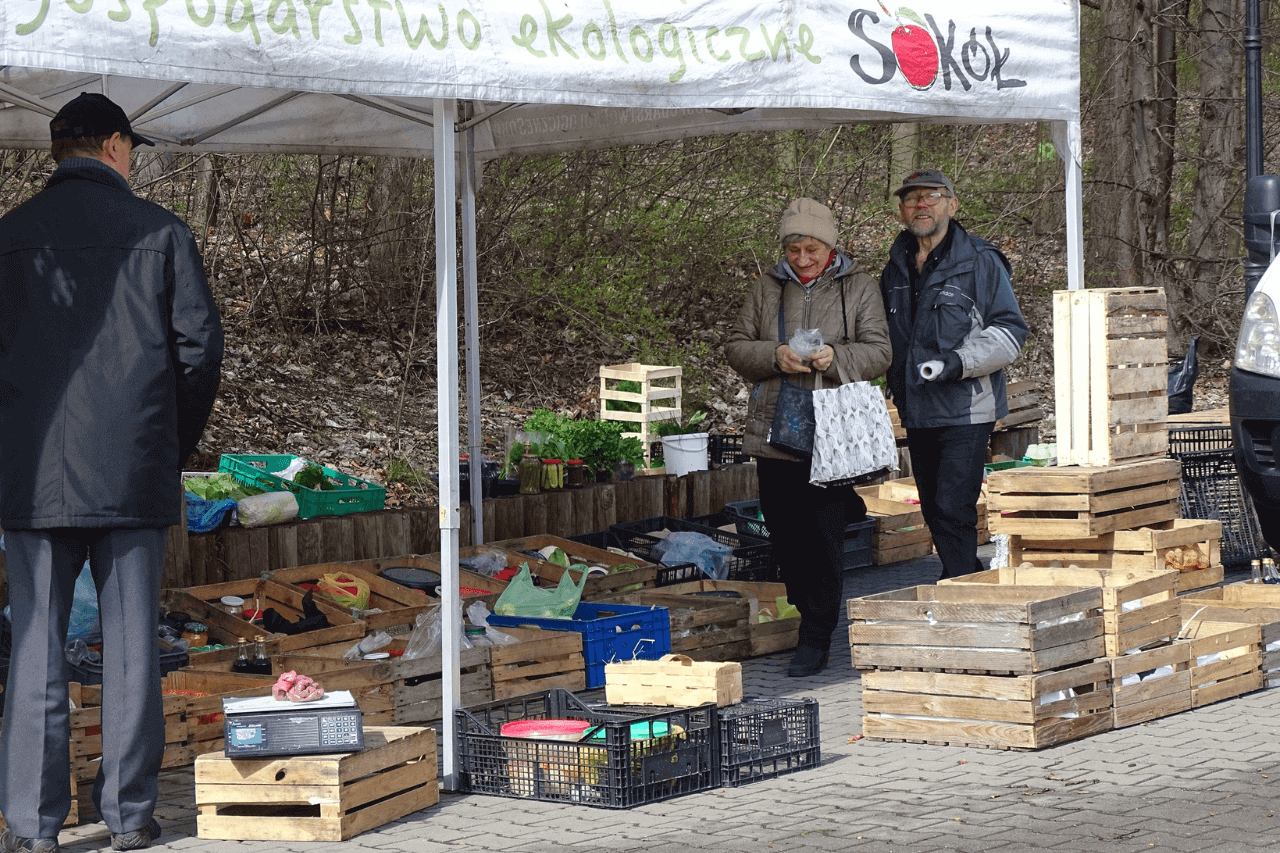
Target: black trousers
{"x":806,"y":526}
{"x":948,"y":465}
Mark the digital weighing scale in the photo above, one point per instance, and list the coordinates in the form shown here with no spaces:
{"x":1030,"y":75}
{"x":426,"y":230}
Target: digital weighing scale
{"x":262,"y":727}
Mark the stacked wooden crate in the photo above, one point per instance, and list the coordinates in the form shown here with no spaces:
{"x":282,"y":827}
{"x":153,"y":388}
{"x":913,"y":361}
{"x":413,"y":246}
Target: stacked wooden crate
{"x":900,"y":532}
{"x":1007,"y":667}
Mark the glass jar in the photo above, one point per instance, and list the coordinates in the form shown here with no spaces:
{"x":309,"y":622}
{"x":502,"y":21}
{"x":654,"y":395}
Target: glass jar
{"x":196,"y":635}
{"x":552,"y":475}
{"x":530,"y":473}
{"x":575,"y":474}
{"x":233,"y":604}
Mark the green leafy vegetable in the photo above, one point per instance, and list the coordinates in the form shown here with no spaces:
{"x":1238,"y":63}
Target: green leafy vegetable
{"x":312,"y":477}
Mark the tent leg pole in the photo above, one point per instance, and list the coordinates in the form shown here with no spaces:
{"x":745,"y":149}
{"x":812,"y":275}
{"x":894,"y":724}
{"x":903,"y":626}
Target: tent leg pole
{"x":471,"y":305}
{"x":445,"y":115}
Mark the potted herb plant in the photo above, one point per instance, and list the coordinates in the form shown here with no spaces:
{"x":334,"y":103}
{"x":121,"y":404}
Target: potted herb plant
{"x":684,"y":445}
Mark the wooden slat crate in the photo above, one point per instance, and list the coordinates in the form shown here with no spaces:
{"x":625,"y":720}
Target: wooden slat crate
{"x":977,"y":628}
{"x":192,"y":717}
{"x":1255,"y":604}
{"x":900,"y":532}
{"x":1076,"y":502}
{"x":1151,"y":684}
{"x":540,"y":661}
{"x":643,"y":576}
{"x":396,"y":602}
{"x":1110,"y":354}
{"x":1023,"y":712}
{"x":768,"y":635}
{"x":1226,"y":659}
{"x":1024,"y":406}
{"x":706,"y":628}
{"x":318,"y":797}
{"x":1139,"y":606}
{"x":899,"y":431}
{"x":658,"y":397}
{"x":203,"y":605}
{"x":393,"y":691}
{"x":673,"y":681}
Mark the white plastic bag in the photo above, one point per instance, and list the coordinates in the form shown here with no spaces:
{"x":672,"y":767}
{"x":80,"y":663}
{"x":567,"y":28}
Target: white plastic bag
{"x":479,"y":616}
{"x":267,"y":508}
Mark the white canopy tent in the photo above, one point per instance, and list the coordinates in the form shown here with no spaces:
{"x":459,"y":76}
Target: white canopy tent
{"x":386,"y":77}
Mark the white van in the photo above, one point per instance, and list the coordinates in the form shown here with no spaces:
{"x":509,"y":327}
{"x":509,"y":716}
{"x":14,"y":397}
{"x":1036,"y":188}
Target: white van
{"x":1255,"y":402}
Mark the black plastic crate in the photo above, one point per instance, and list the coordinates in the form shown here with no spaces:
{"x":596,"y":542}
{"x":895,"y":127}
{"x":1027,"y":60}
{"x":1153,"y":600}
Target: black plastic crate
{"x":1184,"y":440}
{"x":1211,"y":490}
{"x":751,"y":560}
{"x":623,"y":760}
{"x":725,"y":450}
{"x":858,"y":536}
{"x":765,"y":738}
{"x":667,"y":575}
{"x":91,"y":673}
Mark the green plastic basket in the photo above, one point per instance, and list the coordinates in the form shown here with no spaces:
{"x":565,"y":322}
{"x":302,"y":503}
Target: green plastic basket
{"x":350,"y":494}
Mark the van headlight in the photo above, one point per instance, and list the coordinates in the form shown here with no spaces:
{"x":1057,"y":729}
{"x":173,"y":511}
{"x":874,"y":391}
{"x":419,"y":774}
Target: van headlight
{"x":1258,"y":349}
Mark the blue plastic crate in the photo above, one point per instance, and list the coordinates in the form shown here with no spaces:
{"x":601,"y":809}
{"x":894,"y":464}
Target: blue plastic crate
{"x":610,"y":632}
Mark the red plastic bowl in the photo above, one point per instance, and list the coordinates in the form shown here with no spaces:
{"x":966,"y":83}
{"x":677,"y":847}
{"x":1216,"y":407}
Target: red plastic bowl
{"x":553,"y":729}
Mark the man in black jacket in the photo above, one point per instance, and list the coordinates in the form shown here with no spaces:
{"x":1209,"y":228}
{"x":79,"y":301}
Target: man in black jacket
{"x":110,"y":356}
{"x":955,"y":325}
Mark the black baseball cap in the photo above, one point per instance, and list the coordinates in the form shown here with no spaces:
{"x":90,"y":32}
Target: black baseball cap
{"x":91,"y":114}
{"x":925,"y":178}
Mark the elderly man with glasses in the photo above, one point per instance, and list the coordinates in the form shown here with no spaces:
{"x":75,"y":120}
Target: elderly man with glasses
{"x":955,"y":325}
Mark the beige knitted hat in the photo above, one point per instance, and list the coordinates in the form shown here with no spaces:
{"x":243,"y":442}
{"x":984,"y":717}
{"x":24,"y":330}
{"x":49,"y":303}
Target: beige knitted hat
{"x":809,"y":218}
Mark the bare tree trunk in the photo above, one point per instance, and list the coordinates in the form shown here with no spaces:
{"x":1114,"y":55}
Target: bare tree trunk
{"x":1213,"y":238}
{"x":1133,"y":148}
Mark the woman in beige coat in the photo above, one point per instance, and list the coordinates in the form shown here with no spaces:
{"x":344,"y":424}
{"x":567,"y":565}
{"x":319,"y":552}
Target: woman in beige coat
{"x":819,"y":288}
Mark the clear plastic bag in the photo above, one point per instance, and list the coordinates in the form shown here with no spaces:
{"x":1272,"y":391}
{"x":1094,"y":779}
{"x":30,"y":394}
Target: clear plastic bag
{"x":485,"y":563}
{"x":806,"y":343}
{"x":688,"y":547}
{"x":478,"y":614}
{"x":266,"y":508}
{"x":371,"y":643}
{"x":425,"y":639}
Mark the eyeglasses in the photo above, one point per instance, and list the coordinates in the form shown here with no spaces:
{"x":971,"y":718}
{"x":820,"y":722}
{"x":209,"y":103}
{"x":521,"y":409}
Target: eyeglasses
{"x":913,"y":199}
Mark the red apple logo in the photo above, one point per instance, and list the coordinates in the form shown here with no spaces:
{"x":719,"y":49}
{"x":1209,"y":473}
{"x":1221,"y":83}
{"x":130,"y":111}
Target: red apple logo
{"x":914,"y":48}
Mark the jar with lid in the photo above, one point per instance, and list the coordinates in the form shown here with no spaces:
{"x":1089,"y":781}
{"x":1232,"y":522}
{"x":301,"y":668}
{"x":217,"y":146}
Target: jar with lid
{"x":233,"y":604}
{"x":552,"y":475}
{"x":530,"y":472}
{"x":196,"y":634}
{"x":575,"y":474}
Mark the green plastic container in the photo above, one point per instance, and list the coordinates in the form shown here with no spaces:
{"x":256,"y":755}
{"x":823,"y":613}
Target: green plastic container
{"x":350,"y":494}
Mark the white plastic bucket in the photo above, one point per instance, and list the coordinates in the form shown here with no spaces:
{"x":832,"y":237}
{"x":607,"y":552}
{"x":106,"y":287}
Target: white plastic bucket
{"x":685,"y":453}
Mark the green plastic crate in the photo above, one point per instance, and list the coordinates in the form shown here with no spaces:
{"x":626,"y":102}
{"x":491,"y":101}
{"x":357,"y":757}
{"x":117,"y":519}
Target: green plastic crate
{"x":350,"y":494}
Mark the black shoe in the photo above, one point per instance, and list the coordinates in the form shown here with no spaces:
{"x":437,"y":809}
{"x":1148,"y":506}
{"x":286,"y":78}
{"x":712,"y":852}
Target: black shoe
{"x":139,"y":839}
{"x":10,"y":843}
{"x":807,"y":661}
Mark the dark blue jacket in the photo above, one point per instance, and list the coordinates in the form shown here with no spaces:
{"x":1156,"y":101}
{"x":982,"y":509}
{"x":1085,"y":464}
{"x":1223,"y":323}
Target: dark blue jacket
{"x":110,"y":355}
{"x":965,"y":306}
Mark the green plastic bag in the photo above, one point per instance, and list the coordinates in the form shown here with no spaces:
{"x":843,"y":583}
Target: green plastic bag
{"x":522,"y":598}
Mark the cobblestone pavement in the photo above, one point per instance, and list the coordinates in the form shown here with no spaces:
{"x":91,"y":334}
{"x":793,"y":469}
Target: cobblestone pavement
{"x":1203,"y":780}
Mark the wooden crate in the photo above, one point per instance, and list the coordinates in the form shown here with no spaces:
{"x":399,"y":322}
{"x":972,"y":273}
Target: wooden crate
{"x":1255,"y":604}
{"x":768,"y":634}
{"x":658,"y":397}
{"x":1188,"y":546}
{"x":192,"y":717}
{"x":203,"y":605}
{"x":1110,"y":354}
{"x":1140,"y":607}
{"x":673,"y":681}
{"x":705,"y":628}
{"x":393,"y":691}
{"x":540,"y":661}
{"x":1023,"y":712}
{"x":318,"y":797}
{"x":900,"y":532}
{"x":395,"y":601}
{"x":979,"y":628}
{"x":899,"y":431}
{"x":1024,"y":405}
{"x":1226,"y":658}
{"x":1151,"y":684}
{"x":643,"y":576}
{"x":1076,"y":502}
